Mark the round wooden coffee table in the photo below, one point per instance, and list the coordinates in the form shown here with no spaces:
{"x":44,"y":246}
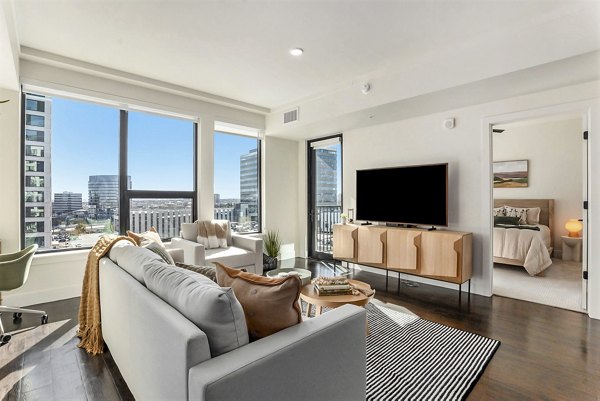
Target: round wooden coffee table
{"x":309,"y":295}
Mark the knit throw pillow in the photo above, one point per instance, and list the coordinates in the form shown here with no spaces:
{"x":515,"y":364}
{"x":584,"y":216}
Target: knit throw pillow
{"x":212,"y":234}
{"x":161,"y":251}
{"x":207,"y":271}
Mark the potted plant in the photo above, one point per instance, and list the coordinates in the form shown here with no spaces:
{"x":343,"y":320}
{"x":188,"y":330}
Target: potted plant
{"x":272,"y":244}
{"x":344,"y":217}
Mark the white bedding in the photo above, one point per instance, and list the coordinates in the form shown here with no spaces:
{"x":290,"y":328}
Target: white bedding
{"x":529,"y":246}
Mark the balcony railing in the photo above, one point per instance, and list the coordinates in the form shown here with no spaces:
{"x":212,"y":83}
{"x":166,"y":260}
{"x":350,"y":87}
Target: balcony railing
{"x":326,"y":217}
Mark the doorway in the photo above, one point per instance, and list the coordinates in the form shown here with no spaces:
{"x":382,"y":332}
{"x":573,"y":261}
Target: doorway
{"x":539,"y":237}
{"x":324,"y":194}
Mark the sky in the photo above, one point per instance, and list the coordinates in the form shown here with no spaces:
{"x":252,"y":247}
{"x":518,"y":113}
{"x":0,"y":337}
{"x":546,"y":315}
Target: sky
{"x":85,"y":141}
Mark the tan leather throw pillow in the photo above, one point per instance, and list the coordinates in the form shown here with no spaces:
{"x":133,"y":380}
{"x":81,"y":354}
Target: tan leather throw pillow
{"x":270,"y":304}
{"x":145,"y":238}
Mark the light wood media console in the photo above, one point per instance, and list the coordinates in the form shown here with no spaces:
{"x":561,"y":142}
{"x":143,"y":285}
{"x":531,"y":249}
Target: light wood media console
{"x":439,"y":255}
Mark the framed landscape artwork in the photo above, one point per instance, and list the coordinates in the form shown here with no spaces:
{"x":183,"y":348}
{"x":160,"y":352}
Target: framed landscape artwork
{"x":511,"y":174}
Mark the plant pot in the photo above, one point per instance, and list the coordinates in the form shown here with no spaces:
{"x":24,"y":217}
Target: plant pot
{"x":344,"y":220}
{"x":269,"y":262}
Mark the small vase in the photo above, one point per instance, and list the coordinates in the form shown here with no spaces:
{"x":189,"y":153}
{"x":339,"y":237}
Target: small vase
{"x":344,"y":220}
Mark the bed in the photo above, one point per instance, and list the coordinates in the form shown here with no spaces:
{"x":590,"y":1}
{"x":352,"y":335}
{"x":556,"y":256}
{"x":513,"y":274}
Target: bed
{"x":528,"y":248}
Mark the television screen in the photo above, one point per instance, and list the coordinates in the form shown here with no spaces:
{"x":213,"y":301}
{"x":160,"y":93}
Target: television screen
{"x":410,"y":195}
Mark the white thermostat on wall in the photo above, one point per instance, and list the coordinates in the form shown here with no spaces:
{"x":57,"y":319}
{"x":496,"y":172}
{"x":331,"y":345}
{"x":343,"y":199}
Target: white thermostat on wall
{"x":449,"y":123}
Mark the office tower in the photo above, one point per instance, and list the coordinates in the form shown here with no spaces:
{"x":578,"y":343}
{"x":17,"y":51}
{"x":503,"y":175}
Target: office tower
{"x":249,"y":185}
{"x":327,"y":190}
{"x":67,"y":202}
{"x":38,"y":188}
{"x":103,"y":193}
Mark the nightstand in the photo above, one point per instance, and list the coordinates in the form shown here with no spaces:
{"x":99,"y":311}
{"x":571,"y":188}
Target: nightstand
{"x":571,"y":248}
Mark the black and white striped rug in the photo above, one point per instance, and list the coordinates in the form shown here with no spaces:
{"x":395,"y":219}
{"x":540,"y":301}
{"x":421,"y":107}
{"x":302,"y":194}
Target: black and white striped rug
{"x":409,"y":358}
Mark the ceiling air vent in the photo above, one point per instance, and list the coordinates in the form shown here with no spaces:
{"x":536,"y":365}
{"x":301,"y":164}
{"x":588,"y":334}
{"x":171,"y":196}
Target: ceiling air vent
{"x":290,"y":116}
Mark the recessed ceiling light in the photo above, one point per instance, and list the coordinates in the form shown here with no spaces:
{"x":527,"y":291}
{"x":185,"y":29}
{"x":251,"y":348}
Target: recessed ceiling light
{"x":296,"y":52}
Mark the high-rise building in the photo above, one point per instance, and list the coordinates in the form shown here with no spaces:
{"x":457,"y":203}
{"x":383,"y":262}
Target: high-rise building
{"x":249,"y":185}
{"x":67,"y":202}
{"x":327,"y":183}
{"x":217,"y":199}
{"x":38,"y":189}
{"x":165,"y":217}
{"x":103,"y":193}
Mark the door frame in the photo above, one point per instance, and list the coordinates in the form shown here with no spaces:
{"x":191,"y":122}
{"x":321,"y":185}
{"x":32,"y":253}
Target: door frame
{"x":584,"y":110}
{"x":310,"y":178}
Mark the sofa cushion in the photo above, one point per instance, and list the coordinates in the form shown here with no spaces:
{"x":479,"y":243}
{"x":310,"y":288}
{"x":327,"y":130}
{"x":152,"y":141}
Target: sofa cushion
{"x":270,"y":304}
{"x":189,"y":231}
{"x":132,"y":258}
{"x":215,"y":310}
{"x":232,"y":256}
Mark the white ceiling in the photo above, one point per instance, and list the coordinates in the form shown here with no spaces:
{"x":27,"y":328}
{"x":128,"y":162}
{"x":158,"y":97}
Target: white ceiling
{"x":239,"y":49}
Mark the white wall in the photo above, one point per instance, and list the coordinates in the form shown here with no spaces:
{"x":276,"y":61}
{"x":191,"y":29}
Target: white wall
{"x":10,"y":174}
{"x":424,"y":141}
{"x":555,"y":153}
{"x":467,"y":149}
{"x":281,"y":192}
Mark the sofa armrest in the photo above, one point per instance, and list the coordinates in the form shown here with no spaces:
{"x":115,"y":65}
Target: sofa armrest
{"x":319,"y":359}
{"x":193,"y":252}
{"x":252,"y":244}
{"x":177,"y":254}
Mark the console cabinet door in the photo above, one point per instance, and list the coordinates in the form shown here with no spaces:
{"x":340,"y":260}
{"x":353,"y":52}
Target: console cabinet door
{"x":441,"y":253}
{"x":403,"y":247}
{"x":371,"y":245}
{"x":344,"y":241}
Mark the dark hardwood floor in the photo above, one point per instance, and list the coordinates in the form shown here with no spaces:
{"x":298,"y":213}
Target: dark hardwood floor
{"x":546,"y":353}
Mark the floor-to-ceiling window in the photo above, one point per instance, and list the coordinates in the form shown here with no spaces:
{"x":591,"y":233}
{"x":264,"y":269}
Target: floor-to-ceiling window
{"x":237,"y":155}
{"x":91,"y":169}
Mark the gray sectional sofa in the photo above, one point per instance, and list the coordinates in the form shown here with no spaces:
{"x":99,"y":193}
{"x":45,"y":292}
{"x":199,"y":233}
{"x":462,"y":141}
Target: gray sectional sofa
{"x":164,"y":356}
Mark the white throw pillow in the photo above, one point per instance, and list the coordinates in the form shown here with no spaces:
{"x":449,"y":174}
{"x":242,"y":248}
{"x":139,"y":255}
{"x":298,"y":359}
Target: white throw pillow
{"x":189,"y":231}
{"x":215,"y":310}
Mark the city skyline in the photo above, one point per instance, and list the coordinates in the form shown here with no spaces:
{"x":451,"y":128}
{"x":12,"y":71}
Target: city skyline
{"x":77,"y":152}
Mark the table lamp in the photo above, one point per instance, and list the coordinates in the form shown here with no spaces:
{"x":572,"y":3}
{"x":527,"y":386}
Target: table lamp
{"x":574,"y":226}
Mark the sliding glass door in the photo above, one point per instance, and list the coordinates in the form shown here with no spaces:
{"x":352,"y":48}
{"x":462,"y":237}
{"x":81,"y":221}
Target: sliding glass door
{"x":324,"y":194}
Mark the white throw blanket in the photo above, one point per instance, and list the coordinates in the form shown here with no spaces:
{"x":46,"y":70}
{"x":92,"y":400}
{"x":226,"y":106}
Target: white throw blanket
{"x":523,"y":245}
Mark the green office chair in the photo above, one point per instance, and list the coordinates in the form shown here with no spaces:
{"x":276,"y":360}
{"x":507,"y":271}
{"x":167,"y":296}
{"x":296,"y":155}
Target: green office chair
{"x":14,"y":270}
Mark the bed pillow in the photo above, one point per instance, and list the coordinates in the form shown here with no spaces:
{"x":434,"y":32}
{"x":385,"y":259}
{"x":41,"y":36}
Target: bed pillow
{"x":499,"y":211}
{"x":519,"y":212}
{"x":533,"y":215}
{"x":513,"y":221}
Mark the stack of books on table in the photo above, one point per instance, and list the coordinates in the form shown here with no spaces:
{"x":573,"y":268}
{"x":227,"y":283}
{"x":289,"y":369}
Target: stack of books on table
{"x":332,"y":286}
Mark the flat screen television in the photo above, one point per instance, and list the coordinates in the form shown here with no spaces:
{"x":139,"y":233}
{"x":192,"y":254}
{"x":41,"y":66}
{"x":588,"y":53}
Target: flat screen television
{"x":414,"y":195}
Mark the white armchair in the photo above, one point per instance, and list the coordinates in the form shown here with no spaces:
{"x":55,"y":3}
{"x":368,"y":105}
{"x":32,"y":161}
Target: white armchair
{"x":243,"y":251}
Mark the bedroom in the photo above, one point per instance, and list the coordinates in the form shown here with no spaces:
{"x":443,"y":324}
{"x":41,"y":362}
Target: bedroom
{"x":539,"y":187}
